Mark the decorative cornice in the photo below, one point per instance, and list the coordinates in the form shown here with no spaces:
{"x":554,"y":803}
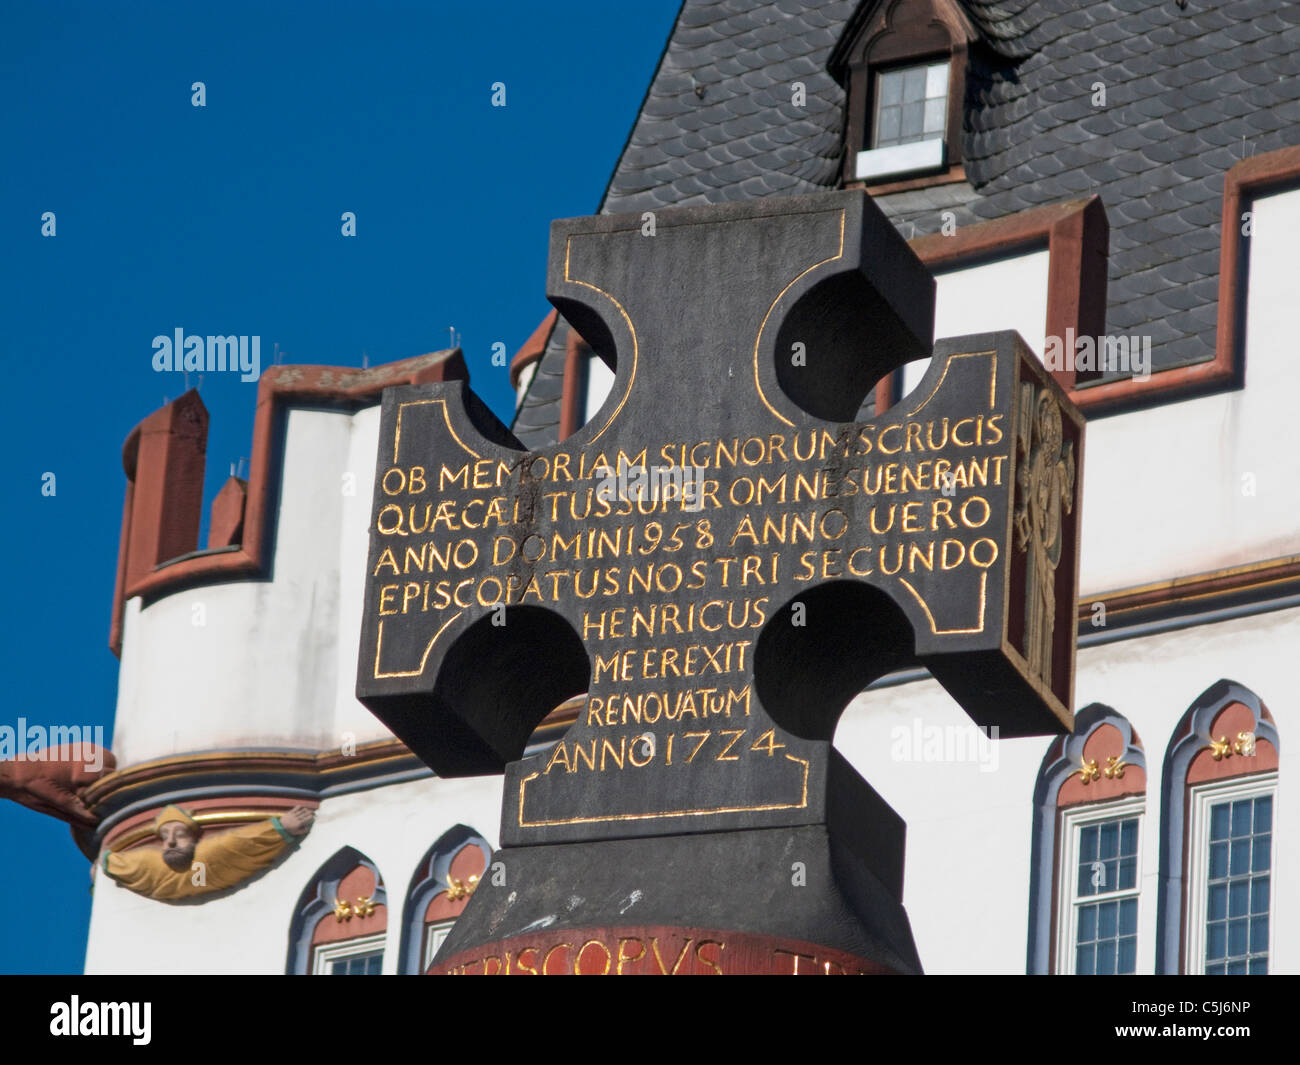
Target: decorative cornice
{"x":244,"y":772}
{"x":1202,"y":591}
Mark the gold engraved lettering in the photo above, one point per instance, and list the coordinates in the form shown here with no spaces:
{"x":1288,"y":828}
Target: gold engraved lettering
{"x":735,"y":734}
{"x":663,"y":969}
{"x":703,"y":737}
{"x":546,"y":962}
{"x":625,"y":958}
{"x":716,"y":962}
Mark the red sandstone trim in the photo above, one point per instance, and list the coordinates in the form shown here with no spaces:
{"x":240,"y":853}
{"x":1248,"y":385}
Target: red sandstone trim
{"x":165,"y":478}
{"x":1244,"y":181}
{"x":1077,"y":237}
{"x":533,"y":347}
{"x":951,"y":176}
{"x":226,"y":525}
{"x":571,"y":397}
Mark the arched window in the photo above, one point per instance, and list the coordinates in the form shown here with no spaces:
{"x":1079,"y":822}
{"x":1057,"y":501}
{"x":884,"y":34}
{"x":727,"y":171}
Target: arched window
{"x":1086,"y":876}
{"x":1217,"y":854}
{"x":440,"y":890}
{"x":340,"y":924}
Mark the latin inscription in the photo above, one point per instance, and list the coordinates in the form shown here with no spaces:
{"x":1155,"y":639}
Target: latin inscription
{"x":670,"y":597}
{"x":651,"y":952}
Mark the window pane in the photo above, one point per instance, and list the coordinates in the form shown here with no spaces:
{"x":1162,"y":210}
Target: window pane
{"x":1263,"y":846}
{"x":1127,"y":963}
{"x":1239,"y":888}
{"x":1086,"y":876}
{"x":1216,"y":941}
{"x":1219,"y":819}
{"x":936,"y":80}
{"x":1218,"y":861}
{"x":887,"y":128}
{"x":935,"y":114}
{"x":1218,"y":908}
{"x":1107,"y":916}
{"x":1239,"y":898}
{"x":359,"y":965}
{"x":1259,"y":935}
{"x":1109,"y":842}
{"x":1238,"y":937}
{"x":1241,"y":814}
{"x":1264,"y":813}
{"x":1106,"y":932}
{"x":914,"y":84}
{"x":1259,"y":966}
{"x":1087,"y":924}
{"x":1259,"y":895}
{"x":913,"y":117}
{"x":891,"y":88}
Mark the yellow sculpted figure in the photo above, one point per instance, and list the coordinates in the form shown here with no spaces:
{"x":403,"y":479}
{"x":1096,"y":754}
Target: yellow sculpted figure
{"x":190,"y":865}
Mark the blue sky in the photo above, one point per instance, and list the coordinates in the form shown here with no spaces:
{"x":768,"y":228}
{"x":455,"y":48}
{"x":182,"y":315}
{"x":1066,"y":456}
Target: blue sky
{"x":225,"y":219}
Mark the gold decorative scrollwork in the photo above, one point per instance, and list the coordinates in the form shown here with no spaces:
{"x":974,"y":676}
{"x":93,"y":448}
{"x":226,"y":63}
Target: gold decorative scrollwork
{"x":1115,"y":766}
{"x":1243,"y":745}
{"x":1088,"y":771}
{"x":345,"y":911}
{"x":461,"y":889}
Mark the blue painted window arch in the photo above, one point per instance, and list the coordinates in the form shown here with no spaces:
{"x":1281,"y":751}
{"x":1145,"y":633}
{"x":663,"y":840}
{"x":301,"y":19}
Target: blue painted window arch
{"x":431,"y":878}
{"x":1053,"y":901}
{"x":1188,"y":919}
{"x":319,"y":899}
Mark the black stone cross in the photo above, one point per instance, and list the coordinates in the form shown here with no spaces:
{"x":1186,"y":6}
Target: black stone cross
{"x":723,"y":557}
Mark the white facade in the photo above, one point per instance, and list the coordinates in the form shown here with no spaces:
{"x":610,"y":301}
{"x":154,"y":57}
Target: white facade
{"x":1179,"y":489}
{"x":247,"y":932}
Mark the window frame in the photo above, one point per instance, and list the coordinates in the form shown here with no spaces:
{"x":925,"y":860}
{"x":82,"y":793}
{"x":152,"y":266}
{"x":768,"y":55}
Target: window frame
{"x":435,"y":934}
{"x":324,"y":955}
{"x":1072,"y":821}
{"x":1201,"y":799}
{"x":873,"y":132}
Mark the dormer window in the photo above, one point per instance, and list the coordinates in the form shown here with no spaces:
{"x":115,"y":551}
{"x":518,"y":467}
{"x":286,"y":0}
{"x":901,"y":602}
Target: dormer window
{"x":911,"y":105}
{"x":903,"y":64}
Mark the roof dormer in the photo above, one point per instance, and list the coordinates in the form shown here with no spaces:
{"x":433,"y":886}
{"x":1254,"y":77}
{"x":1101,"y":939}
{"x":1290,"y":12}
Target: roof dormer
{"x":903,"y":66}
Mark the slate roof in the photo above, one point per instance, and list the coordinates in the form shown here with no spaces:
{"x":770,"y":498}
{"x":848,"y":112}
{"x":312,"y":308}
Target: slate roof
{"x":1189,"y":92}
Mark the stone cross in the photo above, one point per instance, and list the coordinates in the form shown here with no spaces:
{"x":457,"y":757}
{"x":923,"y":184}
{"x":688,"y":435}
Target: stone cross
{"x":723,"y":556}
